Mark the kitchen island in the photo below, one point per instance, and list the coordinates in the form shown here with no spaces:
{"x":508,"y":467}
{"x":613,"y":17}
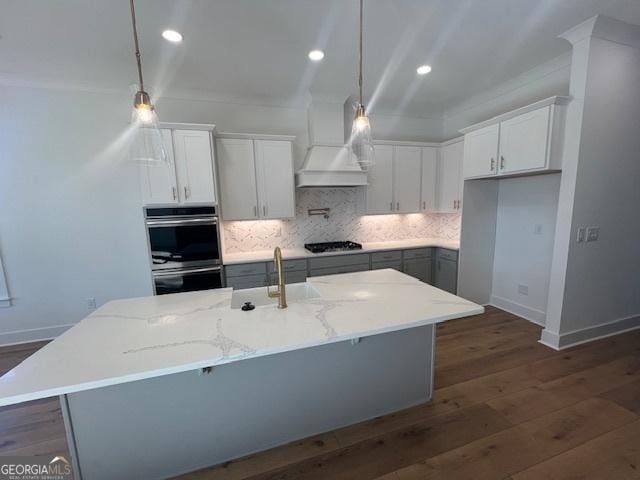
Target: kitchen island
{"x":157,"y":386}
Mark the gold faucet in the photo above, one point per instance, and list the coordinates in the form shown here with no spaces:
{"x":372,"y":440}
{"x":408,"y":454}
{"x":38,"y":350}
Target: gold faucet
{"x":281,"y":293}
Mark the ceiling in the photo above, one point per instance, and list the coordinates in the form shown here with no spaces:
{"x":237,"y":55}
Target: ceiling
{"x":256,"y":50}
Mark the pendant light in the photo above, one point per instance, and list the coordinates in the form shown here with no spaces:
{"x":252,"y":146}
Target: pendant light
{"x":361,"y":141}
{"x":147,"y":145}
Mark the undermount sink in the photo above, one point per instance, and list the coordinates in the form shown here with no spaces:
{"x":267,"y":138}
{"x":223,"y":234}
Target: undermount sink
{"x":258,"y":296}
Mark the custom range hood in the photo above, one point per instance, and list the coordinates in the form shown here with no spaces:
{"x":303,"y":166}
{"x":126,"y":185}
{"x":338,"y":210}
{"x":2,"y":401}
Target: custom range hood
{"x":328,"y":162}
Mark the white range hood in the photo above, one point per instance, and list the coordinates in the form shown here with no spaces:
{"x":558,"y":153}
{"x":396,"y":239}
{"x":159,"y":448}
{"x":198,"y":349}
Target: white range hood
{"x":328,"y":162}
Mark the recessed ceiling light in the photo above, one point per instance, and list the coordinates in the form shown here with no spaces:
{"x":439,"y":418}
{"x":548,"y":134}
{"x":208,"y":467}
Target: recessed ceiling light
{"x":316,"y":55}
{"x":423,"y":69}
{"x":172,"y":36}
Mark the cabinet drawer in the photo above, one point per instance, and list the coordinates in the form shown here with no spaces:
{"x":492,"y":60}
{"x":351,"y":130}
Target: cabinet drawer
{"x":316,"y":272}
{"x":444,"y":254}
{"x":339,"y":261}
{"x":289,"y":277}
{"x":395,"y":264}
{"x":290,"y":266}
{"x":417,"y":253}
{"x":386,"y":256}
{"x":248,"y":281}
{"x":245,"y":269}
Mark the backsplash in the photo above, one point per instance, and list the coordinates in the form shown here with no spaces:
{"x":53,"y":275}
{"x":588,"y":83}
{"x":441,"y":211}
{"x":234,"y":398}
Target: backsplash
{"x":344,"y":223}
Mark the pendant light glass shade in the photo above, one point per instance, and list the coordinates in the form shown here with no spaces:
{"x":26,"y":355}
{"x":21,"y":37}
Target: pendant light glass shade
{"x":147,"y":145}
{"x":361,"y":140}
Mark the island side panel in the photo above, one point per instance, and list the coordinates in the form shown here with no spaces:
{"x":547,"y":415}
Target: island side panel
{"x":178,"y":423}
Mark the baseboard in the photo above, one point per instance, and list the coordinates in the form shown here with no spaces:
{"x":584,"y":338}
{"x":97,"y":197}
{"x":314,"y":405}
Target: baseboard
{"x":5,"y":302}
{"x":589,"y":334}
{"x":536,"y":316}
{"x":32,"y":335}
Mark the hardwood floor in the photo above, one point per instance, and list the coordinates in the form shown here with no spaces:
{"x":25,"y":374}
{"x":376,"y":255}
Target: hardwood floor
{"x":505,"y":407}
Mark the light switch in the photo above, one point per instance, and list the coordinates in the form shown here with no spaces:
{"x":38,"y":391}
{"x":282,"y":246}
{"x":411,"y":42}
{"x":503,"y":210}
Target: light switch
{"x":593,"y":233}
{"x":580,"y":235}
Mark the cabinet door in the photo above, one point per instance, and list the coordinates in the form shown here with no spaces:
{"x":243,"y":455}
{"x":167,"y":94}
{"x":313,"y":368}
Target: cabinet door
{"x":429,"y":173}
{"x":523,"y":142}
{"x":481,"y":152}
{"x":194,"y":162}
{"x":449,"y":178}
{"x":274,"y":171}
{"x":380,"y":178}
{"x":446,"y":275}
{"x":158,"y":180}
{"x":236,"y":166}
{"x":419,"y":268}
{"x":407,"y":179}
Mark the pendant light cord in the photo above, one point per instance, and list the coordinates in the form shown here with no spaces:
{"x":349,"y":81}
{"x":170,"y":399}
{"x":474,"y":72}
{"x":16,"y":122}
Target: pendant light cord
{"x":137,"y":46}
{"x":360,"y":75}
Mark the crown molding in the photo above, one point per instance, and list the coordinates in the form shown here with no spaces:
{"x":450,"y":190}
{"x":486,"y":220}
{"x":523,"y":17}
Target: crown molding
{"x":604,"y":28}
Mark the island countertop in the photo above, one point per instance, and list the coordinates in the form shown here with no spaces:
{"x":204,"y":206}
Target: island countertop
{"x":140,"y":338}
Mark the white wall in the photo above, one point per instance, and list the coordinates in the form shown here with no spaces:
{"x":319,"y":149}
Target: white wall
{"x":523,"y":254}
{"x":70,"y":221}
{"x":5,"y":300}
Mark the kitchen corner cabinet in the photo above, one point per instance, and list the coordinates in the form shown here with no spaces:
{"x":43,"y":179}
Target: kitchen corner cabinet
{"x":450,"y":182}
{"x":446,"y":270}
{"x":256,"y":178}
{"x":522,"y":142}
{"x":187,"y":177}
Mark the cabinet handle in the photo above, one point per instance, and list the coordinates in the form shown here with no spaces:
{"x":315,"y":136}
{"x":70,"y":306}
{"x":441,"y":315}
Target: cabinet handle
{"x":174,"y":191}
{"x":493,"y":164}
{"x":255,"y":211}
{"x":398,"y":206}
{"x":439,"y":265}
{"x":264,"y":210}
{"x":187,"y":192}
{"x":424,"y":205}
{"x":391,"y":206}
{"x":501,"y":162}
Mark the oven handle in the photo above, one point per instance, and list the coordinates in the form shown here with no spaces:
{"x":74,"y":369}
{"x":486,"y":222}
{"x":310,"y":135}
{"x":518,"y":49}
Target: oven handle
{"x":173,"y":273}
{"x":191,"y":221}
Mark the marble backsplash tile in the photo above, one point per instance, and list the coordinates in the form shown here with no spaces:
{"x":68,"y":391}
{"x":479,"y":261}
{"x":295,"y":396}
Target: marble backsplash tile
{"x":344,"y":223}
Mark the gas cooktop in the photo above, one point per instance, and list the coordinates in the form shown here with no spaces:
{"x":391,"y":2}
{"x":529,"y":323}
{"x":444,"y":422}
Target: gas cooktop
{"x":332,"y":246}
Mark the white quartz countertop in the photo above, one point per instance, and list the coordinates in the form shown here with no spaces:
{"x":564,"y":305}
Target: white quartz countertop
{"x":294,"y":253}
{"x":135,"y":339}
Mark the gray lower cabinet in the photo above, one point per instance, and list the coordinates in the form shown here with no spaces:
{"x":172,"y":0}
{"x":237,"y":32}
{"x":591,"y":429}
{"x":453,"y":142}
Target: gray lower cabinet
{"x":446,"y":270}
{"x":395,"y":264}
{"x":246,"y":275}
{"x":419,"y":268}
{"x":436,"y":266}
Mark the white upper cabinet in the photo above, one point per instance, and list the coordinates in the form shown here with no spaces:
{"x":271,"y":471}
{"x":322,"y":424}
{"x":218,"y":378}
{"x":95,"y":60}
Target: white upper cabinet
{"x":407,"y":179}
{"x":379,"y":192}
{"x":194,"y":164}
{"x":274,"y":169}
{"x":188,"y":175}
{"x":450,"y":181}
{"x":158,"y":180}
{"x":256,"y":178}
{"x":481,"y":152}
{"x":522,"y":142}
{"x":236,"y":166}
{"x":429,"y":176}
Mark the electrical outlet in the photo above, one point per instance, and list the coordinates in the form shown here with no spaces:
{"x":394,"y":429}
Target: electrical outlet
{"x":91,"y":303}
{"x":581,"y":235}
{"x":279,"y":232}
{"x":593,"y":233}
{"x":523,"y":289}
{"x":537,"y":229}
